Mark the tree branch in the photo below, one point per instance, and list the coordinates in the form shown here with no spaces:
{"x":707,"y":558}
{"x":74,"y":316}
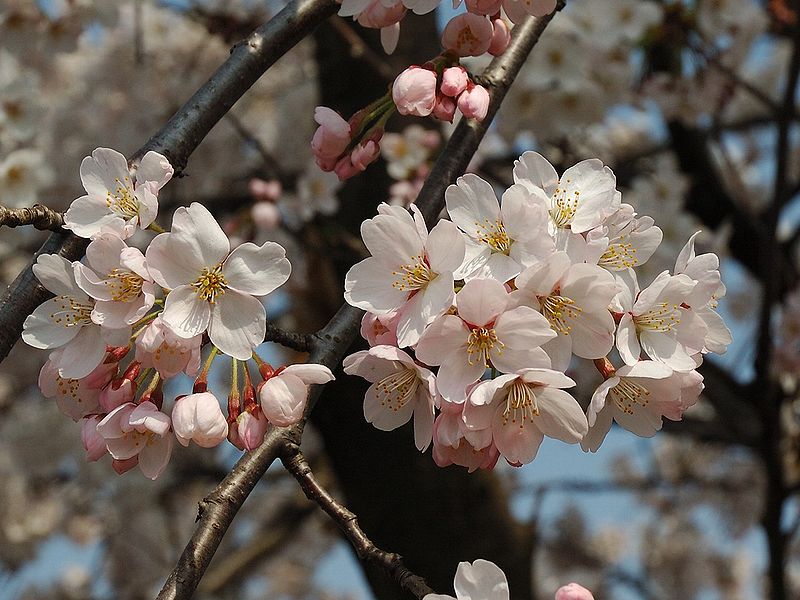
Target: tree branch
{"x":331,"y":343}
{"x":302,"y":342}
{"x":38,"y":215}
{"x":179,"y":137}
{"x":294,"y":461}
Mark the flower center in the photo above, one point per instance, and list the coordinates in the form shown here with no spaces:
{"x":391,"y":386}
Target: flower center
{"x":394,"y":391}
{"x":414,"y":275}
{"x":564,"y":205}
{"x":480,"y":344}
{"x":70,"y":312}
{"x":619,"y":255}
{"x":663,"y":317}
{"x":557,"y":309}
{"x":124,"y":286}
{"x":211,"y":283}
{"x":521,"y":404}
{"x":627,"y":394}
{"x":122,"y":201}
{"x":493,"y":235}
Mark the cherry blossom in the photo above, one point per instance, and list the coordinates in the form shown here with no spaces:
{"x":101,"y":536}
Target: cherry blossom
{"x":502,"y":239}
{"x":520,"y":409}
{"x":64,"y":323}
{"x":331,"y":138}
{"x":138,"y":431}
{"x":657,"y":321}
{"x":580,"y":200}
{"x":198,"y":417}
{"x":400,"y":388}
{"x":637,"y":397}
{"x":410,"y":271}
{"x":379,"y":329}
{"x":468,"y":34}
{"x":474,"y":102}
{"x":574,"y":298}
{"x":248,"y":430}
{"x":704,"y":269}
{"x":117,"y":201}
{"x":486,"y":333}
{"x":169,"y":354}
{"x":480,"y":580}
{"x":76,"y":398}
{"x":284,"y":394}
{"x":386,"y":16}
{"x":116,"y":277}
{"x":93,"y":442}
{"x":631,"y":240}
{"x":211,"y":287}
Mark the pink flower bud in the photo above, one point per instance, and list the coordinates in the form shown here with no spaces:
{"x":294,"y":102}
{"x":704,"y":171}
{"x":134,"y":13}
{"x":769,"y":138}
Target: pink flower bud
{"x":198,"y":417}
{"x":454,"y":81}
{"x":93,"y":442}
{"x":265,"y":191}
{"x":265,"y":215}
{"x":468,"y":35}
{"x":414,"y":92}
{"x":117,"y":393}
{"x":332,"y":137}
{"x":344,"y":169}
{"x":445,"y":109}
{"x":474,"y":102}
{"x":501,"y":38}
{"x":573,"y":591}
{"x":484,"y":7}
{"x":248,"y":430}
{"x":364,"y":154}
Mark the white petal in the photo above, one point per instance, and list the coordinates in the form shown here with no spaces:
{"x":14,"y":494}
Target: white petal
{"x":257,"y":270}
{"x":238,"y":324}
{"x":79,"y":357}
{"x":41,"y":330}
{"x":56,"y":273}
{"x":185,"y":313}
{"x":173,"y":262}
{"x":597,"y":432}
{"x":445,"y":247}
{"x":534,"y":171}
{"x":310,"y":373}
{"x":423,"y":308}
{"x":482,"y":580}
{"x":471,"y":202}
{"x":560,"y":416}
{"x":627,"y":342}
{"x":283,"y":399}
{"x":444,"y":338}
{"x":368,"y":286}
{"x":104,"y":171}
{"x":155,"y":455}
{"x":392,"y":240}
{"x":87,"y":216}
{"x":198,"y":229}
{"x":480,"y":301}
{"x":385,"y":416}
{"x":154,"y":168}
{"x":518,"y":441}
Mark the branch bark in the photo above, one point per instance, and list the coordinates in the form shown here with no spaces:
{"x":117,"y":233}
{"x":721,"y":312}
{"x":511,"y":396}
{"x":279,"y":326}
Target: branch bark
{"x":294,"y":461}
{"x":178,"y":138}
{"x":331,"y":343}
{"x":41,"y":217}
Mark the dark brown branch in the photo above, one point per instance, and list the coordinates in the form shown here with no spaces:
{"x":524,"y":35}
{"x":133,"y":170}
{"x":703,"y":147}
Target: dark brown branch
{"x":294,"y":461}
{"x":179,"y":137}
{"x":331,"y":343}
{"x":41,"y":217}
{"x":301,"y":342}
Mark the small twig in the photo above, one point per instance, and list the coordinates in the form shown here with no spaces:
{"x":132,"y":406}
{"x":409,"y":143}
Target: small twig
{"x":294,"y":461}
{"x":302,"y":342}
{"x":41,"y":217}
{"x":359,"y":50}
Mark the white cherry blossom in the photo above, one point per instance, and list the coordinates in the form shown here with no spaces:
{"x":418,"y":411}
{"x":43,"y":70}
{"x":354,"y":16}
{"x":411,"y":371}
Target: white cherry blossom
{"x":502,"y":238}
{"x":521,"y":408}
{"x":117,"y":201}
{"x":486,"y":333}
{"x":637,"y":397}
{"x":211,"y":287}
{"x":574,"y":298}
{"x":631,"y":240}
{"x":410,"y":270}
{"x":580,"y":200}
{"x":704,"y":269}
{"x":116,"y":277}
{"x":64,"y":323}
{"x":658,"y":321}
{"x":480,"y":580}
{"x":400,"y":388}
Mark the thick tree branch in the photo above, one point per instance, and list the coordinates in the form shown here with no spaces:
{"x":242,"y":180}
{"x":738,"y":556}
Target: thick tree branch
{"x":179,"y":137}
{"x":41,"y":217}
{"x":331,"y":343}
{"x":302,"y":342}
{"x":367,"y":551}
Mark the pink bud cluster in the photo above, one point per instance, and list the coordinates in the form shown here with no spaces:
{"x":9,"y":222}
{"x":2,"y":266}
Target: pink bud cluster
{"x":338,"y":148}
{"x":418,"y":91}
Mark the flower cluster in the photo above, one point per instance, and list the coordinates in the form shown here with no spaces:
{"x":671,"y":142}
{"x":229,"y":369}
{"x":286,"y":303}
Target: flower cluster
{"x":481,"y":316}
{"x":112,"y":303}
{"x":419,"y":92}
